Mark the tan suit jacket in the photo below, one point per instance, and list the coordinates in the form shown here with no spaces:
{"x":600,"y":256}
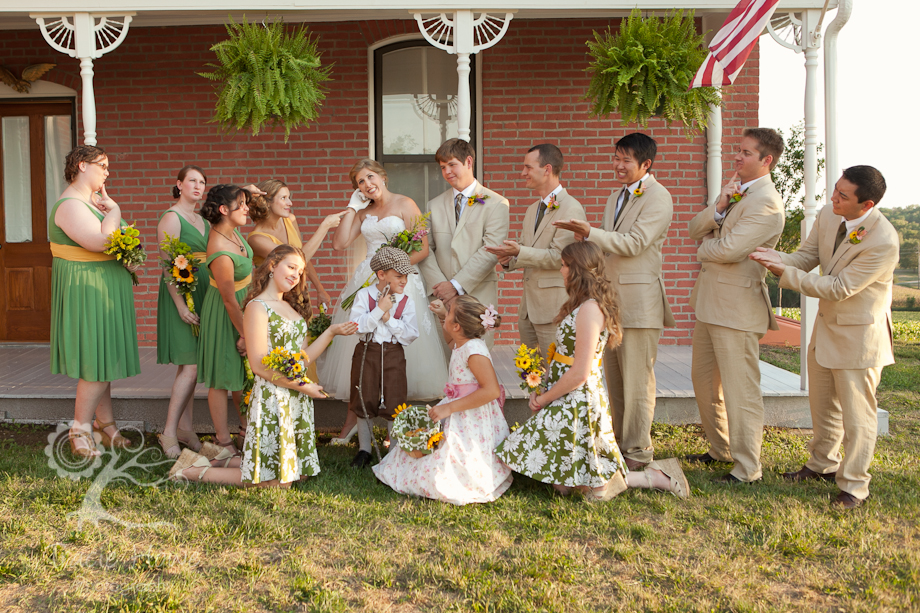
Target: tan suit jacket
{"x":541,"y":258}
{"x":456,"y":250}
{"x":730,"y":290}
{"x":853,"y":327}
{"x":633,"y":248}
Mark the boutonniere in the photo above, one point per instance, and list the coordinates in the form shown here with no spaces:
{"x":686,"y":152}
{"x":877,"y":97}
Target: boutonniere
{"x":737,"y":197}
{"x":477,"y":199}
{"x":856,"y":236}
{"x":638,"y":191}
{"x":552,"y":205}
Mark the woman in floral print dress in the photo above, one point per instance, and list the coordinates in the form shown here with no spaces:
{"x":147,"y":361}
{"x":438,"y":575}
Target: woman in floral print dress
{"x":280,"y":445}
{"x":569,"y":442}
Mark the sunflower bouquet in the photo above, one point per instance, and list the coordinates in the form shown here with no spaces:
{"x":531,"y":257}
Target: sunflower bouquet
{"x":125,"y":245}
{"x":319,"y":323}
{"x":181,"y":269}
{"x":417,"y":434}
{"x":289,"y":365}
{"x":530,"y":368}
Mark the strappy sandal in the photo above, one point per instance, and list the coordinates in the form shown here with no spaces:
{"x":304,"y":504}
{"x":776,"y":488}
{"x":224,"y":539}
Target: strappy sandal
{"x":167,"y":443}
{"x":110,"y":441}
{"x":671,"y":468}
{"x":89,"y":451}
{"x":346,"y":439}
{"x":188,"y":459}
{"x":190,"y":439}
{"x":216,"y":453}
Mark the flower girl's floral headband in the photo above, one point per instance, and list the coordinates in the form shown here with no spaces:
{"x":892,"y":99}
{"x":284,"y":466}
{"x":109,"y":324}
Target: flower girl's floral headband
{"x":488,"y":318}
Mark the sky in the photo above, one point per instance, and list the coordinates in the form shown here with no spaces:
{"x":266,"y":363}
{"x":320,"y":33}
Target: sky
{"x":878,"y":92}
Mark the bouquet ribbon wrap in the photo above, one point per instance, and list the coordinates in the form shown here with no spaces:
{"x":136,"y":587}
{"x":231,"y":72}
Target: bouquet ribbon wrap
{"x":454,"y":391}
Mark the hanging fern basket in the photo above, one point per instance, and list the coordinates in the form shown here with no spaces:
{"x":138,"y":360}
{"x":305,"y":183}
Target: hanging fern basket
{"x":267,"y":76}
{"x":645,"y":71}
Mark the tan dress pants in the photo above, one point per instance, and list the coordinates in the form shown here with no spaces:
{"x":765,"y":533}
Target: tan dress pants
{"x":630,"y":373}
{"x":726,"y":382}
{"x":843,"y":412}
{"x":536,"y":335}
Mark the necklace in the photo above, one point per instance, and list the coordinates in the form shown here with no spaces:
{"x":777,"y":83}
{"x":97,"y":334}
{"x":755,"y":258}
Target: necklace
{"x":242,"y":249}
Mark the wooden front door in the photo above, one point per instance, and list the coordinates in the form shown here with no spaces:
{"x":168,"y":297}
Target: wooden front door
{"x":35,"y":137}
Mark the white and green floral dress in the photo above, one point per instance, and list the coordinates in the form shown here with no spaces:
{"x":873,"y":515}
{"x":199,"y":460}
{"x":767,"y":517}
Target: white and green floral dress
{"x":280,"y":438}
{"x":571,"y":441}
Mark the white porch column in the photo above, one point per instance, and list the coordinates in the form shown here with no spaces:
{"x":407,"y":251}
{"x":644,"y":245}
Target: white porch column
{"x":714,"y":154}
{"x":79,"y":36}
{"x":463,"y":35}
{"x":832,"y":165}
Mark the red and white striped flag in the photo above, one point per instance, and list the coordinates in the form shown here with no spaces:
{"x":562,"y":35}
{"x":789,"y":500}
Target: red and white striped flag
{"x":732,"y":44}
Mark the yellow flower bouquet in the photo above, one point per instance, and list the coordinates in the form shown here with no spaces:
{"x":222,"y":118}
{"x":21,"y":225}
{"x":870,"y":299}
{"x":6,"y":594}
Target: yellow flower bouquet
{"x":181,"y":269}
{"x":291,"y":366}
{"x":417,"y":434}
{"x":125,"y":245}
{"x":530,"y":368}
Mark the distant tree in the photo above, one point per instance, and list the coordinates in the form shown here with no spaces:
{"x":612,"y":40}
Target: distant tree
{"x":906,"y":220}
{"x":789,"y":179}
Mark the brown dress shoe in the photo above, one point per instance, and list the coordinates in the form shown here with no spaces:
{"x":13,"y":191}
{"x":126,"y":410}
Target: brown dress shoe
{"x":703,"y":458}
{"x":635,"y":464}
{"x":846,"y":501}
{"x":806,"y":473}
{"x":731,"y":479}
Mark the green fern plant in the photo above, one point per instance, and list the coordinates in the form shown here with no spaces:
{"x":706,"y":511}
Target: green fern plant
{"x":645,"y":71}
{"x":266,"y":75}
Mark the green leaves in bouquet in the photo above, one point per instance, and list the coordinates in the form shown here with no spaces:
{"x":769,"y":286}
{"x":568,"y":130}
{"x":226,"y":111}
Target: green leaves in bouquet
{"x":645,"y":70}
{"x":267,"y":75}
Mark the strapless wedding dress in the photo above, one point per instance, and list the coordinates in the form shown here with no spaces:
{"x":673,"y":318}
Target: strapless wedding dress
{"x":426,"y":358}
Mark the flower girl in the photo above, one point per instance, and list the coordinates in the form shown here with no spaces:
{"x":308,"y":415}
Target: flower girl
{"x":280,"y":445}
{"x":464,"y":468}
{"x":569,"y":442}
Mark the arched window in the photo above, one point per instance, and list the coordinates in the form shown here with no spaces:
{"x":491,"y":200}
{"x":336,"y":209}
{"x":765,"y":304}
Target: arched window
{"x":415,"y":110}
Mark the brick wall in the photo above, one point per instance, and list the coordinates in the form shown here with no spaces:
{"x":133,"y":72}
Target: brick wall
{"x":154,"y":112}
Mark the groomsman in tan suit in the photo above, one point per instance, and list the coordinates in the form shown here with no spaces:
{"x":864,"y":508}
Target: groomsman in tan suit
{"x":733,"y":307}
{"x":539,"y":252}
{"x":634,"y":227}
{"x":857,"y":250}
{"x":463,"y":220}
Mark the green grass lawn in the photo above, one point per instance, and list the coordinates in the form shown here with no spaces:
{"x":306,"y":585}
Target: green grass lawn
{"x":343,"y":542}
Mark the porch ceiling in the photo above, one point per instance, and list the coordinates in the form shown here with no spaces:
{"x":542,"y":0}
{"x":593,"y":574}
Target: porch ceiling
{"x":175,"y":12}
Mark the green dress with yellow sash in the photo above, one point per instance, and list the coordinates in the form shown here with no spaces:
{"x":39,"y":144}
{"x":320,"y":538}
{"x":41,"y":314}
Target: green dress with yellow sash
{"x":93,"y":321}
{"x":220,"y":366}
{"x":176,"y":341}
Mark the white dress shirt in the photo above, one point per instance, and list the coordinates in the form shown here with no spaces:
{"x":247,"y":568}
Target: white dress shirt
{"x":741,"y":189}
{"x":403,"y":330}
{"x":469,"y":191}
{"x":853,"y":224}
{"x":629,"y":188}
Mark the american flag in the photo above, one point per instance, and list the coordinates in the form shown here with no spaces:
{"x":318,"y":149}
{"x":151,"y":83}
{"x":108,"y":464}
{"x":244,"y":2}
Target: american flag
{"x":732,"y":44}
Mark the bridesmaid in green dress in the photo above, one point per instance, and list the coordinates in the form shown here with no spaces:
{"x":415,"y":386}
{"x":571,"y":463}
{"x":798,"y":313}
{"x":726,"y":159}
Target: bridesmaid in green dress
{"x":176,"y":341}
{"x":221,"y":346}
{"x":93,"y":325}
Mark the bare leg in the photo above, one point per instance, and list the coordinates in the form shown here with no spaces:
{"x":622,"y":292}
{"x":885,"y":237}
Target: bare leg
{"x":217,"y":405}
{"x":180,"y":401}
{"x":90,"y":395}
{"x":648,"y":479}
{"x":350,"y":421}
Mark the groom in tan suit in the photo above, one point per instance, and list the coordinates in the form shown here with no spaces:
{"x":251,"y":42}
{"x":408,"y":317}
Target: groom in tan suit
{"x":539,"y":252}
{"x":634,"y":228}
{"x":857,"y":250}
{"x":464,"y":219}
{"x":733,"y":307}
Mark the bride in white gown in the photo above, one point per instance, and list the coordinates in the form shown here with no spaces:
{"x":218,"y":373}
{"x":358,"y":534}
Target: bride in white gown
{"x":379,"y":219}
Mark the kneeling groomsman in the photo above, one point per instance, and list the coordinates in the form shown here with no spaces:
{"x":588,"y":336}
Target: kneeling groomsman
{"x":539,"y":252}
{"x":857,"y":250}
{"x":634,"y":227}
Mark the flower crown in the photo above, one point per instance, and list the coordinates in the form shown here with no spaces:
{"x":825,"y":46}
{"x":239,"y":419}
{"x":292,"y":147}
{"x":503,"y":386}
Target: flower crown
{"x":488,"y":318}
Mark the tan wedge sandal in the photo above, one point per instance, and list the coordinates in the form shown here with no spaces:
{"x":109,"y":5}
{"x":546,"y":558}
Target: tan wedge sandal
{"x":89,"y":451}
{"x":671,"y":468}
{"x":110,"y":441}
{"x":189,"y":459}
{"x":217,"y":453}
{"x":167,"y":443}
{"x":189,"y":439}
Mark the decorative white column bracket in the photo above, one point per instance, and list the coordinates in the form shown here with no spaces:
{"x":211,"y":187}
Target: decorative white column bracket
{"x":81,"y":36}
{"x":462,"y":35}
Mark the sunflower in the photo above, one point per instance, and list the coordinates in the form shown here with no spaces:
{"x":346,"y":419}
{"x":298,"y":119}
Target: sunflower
{"x":522,"y":362}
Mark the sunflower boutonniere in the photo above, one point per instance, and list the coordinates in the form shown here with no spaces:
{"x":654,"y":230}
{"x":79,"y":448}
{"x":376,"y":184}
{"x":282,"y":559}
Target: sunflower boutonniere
{"x":856,"y":236}
{"x":638,"y":191}
{"x":737,"y":197}
{"x":477,"y":199}
{"x":552,"y":204}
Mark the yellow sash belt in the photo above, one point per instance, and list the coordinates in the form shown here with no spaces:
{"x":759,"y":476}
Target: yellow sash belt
{"x":237,"y":285}
{"x":201,"y":256}
{"x":564,"y":359}
{"x":78,"y":254}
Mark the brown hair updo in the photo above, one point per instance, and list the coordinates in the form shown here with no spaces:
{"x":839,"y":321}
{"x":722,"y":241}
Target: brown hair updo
{"x":588,"y":280}
{"x":261,"y":206}
{"x":467,"y":311}
{"x":372,"y":165}
{"x":220,"y":195}
{"x":297,"y":297}
{"x":80,"y":153}
{"x":184,"y":173}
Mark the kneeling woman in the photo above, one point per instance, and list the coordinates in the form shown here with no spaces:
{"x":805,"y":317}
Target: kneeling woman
{"x":569,"y":442}
{"x":280,"y":445}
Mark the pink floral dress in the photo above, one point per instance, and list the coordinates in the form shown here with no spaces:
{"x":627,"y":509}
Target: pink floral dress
{"x":464,"y":468}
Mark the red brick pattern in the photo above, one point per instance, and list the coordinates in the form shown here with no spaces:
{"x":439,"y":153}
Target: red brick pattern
{"x":154,"y":116}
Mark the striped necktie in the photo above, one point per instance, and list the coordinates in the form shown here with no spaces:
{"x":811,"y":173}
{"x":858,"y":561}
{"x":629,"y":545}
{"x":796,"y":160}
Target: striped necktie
{"x":458,"y":206}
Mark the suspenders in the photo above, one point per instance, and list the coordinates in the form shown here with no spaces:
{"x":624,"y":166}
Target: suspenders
{"x":400,"y":306}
